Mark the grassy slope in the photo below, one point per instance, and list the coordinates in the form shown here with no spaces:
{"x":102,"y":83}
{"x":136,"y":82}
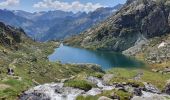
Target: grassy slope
{"x":31,"y":66}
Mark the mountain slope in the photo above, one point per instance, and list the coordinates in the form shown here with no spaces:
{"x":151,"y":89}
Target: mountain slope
{"x":137,"y":21}
{"x":10,"y":36}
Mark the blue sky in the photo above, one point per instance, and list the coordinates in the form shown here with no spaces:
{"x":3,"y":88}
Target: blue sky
{"x":65,"y":5}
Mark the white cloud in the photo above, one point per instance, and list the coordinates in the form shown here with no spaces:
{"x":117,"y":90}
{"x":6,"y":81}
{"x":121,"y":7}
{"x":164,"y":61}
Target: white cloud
{"x":65,"y":6}
{"x":9,"y":3}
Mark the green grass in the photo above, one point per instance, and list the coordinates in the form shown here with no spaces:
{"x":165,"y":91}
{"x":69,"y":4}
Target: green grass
{"x":122,"y":75}
{"x":157,"y":79}
{"x":87,"y":98}
{"x":15,"y":89}
{"x":81,"y":84}
{"x":126,"y":75}
{"x":123,"y":95}
{"x":97,"y":74}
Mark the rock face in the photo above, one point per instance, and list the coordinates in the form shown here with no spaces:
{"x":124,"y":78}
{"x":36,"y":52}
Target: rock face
{"x":137,"y":19}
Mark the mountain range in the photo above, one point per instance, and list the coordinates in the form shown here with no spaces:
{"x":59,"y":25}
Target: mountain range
{"x":135,"y":22}
{"x":54,"y":25}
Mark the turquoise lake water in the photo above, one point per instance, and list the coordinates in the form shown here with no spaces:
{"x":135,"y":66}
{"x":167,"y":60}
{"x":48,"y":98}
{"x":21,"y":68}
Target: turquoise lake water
{"x":105,"y":59}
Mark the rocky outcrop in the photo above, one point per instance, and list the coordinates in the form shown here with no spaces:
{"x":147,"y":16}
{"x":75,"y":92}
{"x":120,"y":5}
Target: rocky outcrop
{"x":10,"y":36}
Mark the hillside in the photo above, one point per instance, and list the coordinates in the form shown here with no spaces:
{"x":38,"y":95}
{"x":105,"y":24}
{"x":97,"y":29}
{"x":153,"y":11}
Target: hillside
{"x":24,"y":63}
{"x":9,"y":37}
{"x":137,"y":21}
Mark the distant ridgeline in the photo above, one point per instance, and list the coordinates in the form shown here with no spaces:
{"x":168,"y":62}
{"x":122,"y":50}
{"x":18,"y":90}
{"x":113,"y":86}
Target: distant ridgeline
{"x":54,"y":25}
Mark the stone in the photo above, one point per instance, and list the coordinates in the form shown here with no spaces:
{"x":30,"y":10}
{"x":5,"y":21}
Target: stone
{"x":114,"y":96}
{"x":107,"y":77}
{"x":94,"y":91}
{"x":150,"y":96}
{"x":124,"y":83}
{"x":166,"y":70}
{"x":137,"y":92}
{"x":155,"y":70}
{"x":92,"y":79}
{"x":104,"y":98}
{"x":119,"y":85}
{"x":129,"y":89}
{"x":151,"y":88}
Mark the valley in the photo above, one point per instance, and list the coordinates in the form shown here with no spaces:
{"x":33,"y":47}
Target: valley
{"x":100,"y":55}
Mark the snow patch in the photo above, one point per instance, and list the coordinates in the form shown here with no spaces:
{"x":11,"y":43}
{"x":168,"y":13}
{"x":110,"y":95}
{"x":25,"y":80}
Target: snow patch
{"x":163,"y":44}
